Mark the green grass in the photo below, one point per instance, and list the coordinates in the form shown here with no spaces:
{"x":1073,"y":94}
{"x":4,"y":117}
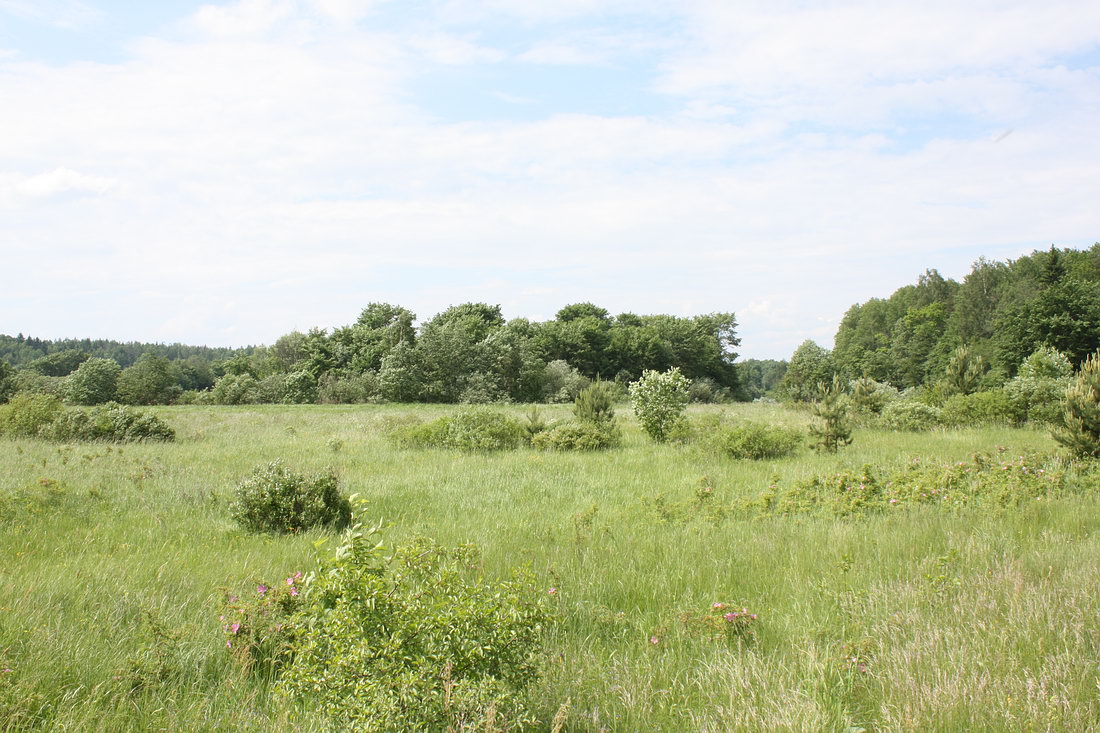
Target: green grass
{"x":922,"y":619}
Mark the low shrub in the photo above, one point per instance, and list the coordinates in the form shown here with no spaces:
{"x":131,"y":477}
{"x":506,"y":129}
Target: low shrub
{"x":983,"y":481}
{"x":349,"y":390}
{"x":578,"y":436}
{"x":27,"y":413}
{"x":275,"y":499}
{"x":111,"y":422}
{"x":416,"y":640}
{"x":755,"y":441}
{"x":475,"y":429}
{"x":980,"y":408}
{"x":659,"y":400}
{"x":910,"y":415}
{"x":1039,"y":399}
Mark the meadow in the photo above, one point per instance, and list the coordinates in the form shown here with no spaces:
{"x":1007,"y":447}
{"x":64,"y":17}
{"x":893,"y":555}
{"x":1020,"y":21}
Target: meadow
{"x":117,"y":558}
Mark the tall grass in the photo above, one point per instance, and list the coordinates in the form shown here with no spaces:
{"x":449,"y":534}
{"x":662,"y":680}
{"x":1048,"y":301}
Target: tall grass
{"x":923,"y":619}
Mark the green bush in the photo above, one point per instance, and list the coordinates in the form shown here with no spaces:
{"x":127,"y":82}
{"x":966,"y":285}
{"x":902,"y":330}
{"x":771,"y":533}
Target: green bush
{"x":352,"y":389}
{"x":659,"y":400}
{"x":27,"y":413}
{"x":474,"y":429}
{"x":562,"y":382}
{"x":980,"y":408}
{"x":416,"y":640}
{"x":869,"y":396}
{"x":579,"y":436}
{"x":910,"y":415}
{"x":595,"y":404}
{"x":1080,"y":431}
{"x":1039,"y":399}
{"x":7,"y":381}
{"x":111,"y":422}
{"x":755,"y":441}
{"x":275,"y":499}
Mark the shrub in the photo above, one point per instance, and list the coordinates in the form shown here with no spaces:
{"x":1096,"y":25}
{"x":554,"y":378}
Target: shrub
{"x":299,"y":388}
{"x":27,"y":413}
{"x":111,"y":422}
{"x":1081,"y":428}
{"x":755,"y":441}
{"x":150,"y":381}
{"x":26,"y":380}
{"x":659,"y":400}
{"x":910,"y":415}
{"x":994,"y":406}
{"x":275,"y":499}
{"x":534,"y":424}
{"x":347,"y":390}
{"x":964,"y":371}
{"x":1038,"y":399}
{"x":475,"y":429}
{"x":93,"y":383}
{"x":415,"y":641}
{"x":1045,"y":363}
{"x":234,"y":389}
{"x":705,"y":389}
{"x":578,"y":436}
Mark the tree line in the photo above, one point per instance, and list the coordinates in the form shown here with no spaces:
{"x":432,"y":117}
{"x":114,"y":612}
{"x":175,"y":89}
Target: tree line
{"x":467,"y":353}
{"x":1000,"y":313}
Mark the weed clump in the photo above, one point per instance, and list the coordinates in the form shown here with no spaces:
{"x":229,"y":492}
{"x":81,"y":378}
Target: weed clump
{"x":275,"y":499}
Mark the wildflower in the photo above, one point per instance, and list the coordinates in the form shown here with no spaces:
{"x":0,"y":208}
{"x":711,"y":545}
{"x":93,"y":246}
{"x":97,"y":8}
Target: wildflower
{"x":732,"y":616}
{"x":290,"y":581}
{"x":228,"y":644}
{"x":293,"y":591}
{"x":261,"y":589}
{"x":235,"y":628}
{"x":893,"y":501}
{"x":297,"y":575}
{"x":719,"y":606}
{"x":654,"y":640}
{"x":552,"y":592}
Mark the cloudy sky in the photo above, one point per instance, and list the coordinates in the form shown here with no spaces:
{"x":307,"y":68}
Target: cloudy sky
{"x":223,"y":173}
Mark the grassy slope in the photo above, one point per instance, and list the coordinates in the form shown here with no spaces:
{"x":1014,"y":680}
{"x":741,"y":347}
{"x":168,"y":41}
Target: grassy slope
{"x":973,"y":621}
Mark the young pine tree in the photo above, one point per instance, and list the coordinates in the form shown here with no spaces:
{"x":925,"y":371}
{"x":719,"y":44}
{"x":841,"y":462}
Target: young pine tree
{"x":1081,"y":434}
{"x":833,"y":431}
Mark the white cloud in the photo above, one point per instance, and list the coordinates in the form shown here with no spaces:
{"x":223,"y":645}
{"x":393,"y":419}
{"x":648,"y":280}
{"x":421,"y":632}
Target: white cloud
{"x":69,"y":14}
{"x":280,"y":144}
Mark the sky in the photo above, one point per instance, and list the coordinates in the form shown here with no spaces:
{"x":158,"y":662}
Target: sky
{"x":224,"y":173}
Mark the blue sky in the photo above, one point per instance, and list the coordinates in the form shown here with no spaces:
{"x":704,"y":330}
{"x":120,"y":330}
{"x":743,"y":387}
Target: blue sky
{"x":222,"y":173}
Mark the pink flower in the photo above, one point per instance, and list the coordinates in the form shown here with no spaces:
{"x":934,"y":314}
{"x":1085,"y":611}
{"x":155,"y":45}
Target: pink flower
{"x":893,"y":501}
{"x":228,"y":644}
{"x":552,"y":592}
{"x":719,"y":605}
{"x":293,"y":591}
{"x":261,"y":589}
{"x":235,"y":628}
{"x":290,"y":581}
{"x":654,"y":640}
{"x":732,"y":616}
{"x":297,"y":575}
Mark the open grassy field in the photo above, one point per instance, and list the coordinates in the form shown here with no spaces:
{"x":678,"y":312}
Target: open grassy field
{"x":917,"y":619}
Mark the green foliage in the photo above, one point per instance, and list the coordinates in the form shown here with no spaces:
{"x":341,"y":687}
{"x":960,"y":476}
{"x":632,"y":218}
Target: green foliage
{"x":755,"y":441}
{"x":111,"y":422}
{"x":907,"y":414}
{"x":595,"y":404}
{"x":579,"y":436}
{"x":473,"y":429}
{"x":1080,"y":432}
{"x":335,"y":389}
{"x":415,"y":641}
{"x":150,"y":381}
{"x":234,"y":389}
{"x":965,"y":370}
{"x":833,"y":431}
{"x":983,"y":481}
{"x":982,"y":408}
{"x":7,"y":381}
{"x":810,"y":367}
{"x":256,"y":624}
{"x":276,"y":499}
{"x":94,"y":382}
{"x":299,"y":388}
{"x":25,"y":380}
{"x":659,"y":400}
{"x":27,"y":413}
{"x":1046,"y":362}
{"x":399,"y":378}
{"x":562,"y":383}
{"x":533,"y":424}
{"x":870,"y":396}
{"x":58,"y":364}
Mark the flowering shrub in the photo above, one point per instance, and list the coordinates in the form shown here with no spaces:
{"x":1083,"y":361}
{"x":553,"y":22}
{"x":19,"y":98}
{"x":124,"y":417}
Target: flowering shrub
{"x":722,"y":622}
{"x":275,"y":499}
{"x":414,"y":641}
{"x":256,"y":626}
{"x":659,"y":400}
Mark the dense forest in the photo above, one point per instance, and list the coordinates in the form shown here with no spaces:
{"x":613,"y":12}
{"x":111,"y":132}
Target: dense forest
{"x":1001,"y":312}
{"x":467,"y":353}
